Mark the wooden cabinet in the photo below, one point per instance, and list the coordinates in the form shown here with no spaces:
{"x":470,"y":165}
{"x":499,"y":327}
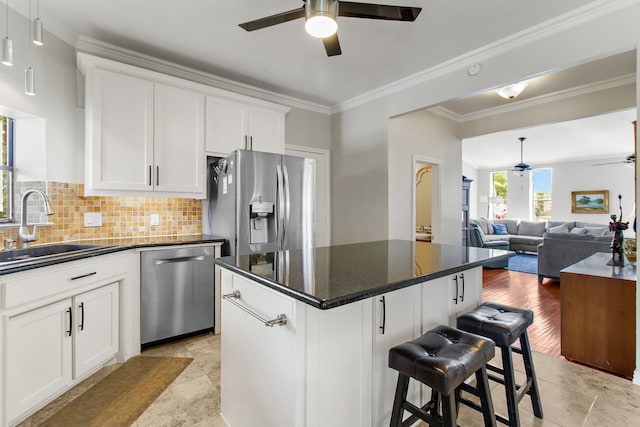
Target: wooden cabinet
{"x":598,"y":314}
{"x":38,"y":356}
{"x":234,"y":124}
{"x":142,"y":137}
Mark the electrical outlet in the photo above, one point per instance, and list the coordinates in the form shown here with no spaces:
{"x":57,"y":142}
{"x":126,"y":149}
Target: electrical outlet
{"x":93,"y":219}
{"x":155,"y":219}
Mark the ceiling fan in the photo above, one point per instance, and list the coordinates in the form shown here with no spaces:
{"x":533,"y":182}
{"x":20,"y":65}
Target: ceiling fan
{"x":521,"y":168}
{"x":320,"y":18}
{"x":629,"y":160}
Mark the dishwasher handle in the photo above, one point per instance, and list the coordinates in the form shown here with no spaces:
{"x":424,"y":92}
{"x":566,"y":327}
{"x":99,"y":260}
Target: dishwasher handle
{"x":179,"y":259}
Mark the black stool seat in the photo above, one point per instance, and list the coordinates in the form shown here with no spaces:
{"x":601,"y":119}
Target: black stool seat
{"x":504,"y":325}
{"x":442,"y":358}
{"x":501,"y":323}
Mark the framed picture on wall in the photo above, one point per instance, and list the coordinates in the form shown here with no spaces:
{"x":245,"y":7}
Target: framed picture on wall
{"x":590,"y":202}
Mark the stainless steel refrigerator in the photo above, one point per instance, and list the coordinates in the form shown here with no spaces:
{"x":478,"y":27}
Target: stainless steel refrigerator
{"x":262,"y":202}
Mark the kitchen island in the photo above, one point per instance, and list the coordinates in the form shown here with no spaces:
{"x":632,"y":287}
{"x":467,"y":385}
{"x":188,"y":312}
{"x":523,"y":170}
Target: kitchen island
{"x":306,"y":333}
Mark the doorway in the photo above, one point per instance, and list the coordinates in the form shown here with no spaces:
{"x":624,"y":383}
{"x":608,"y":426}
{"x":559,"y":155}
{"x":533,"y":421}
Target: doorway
{"x":425,"y":200}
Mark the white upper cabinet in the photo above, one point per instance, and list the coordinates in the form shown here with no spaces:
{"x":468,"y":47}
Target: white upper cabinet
{"x":145,"y":133}
{"x":233,"y":124}
{"x":119,"y":126}
{"x":178,"y":151}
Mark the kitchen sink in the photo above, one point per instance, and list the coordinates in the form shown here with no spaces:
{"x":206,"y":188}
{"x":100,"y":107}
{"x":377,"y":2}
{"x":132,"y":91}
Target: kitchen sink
{"x":46,"y":251}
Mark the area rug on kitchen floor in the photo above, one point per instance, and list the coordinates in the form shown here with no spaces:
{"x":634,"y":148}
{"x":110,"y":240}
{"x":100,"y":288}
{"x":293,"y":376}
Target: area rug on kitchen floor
{"x":122,"y":396}
{"x":524,"y":263}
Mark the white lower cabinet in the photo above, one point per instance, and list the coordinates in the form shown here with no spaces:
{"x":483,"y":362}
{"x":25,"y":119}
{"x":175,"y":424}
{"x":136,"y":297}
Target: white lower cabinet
{"x":396,"y":320}
{"x":95,"y":328}
{"x":326,"y":367}
{"x":46,"y":345}
{"x":38,"y":356}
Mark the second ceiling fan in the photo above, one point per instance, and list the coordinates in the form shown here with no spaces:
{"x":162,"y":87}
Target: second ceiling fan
{"x":320,"y":18}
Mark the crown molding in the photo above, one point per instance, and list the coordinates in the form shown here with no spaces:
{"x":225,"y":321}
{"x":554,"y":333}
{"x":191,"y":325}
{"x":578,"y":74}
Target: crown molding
{"x":119,"y":54}
{"x":538,"y":100}
{"x":515,"y":41}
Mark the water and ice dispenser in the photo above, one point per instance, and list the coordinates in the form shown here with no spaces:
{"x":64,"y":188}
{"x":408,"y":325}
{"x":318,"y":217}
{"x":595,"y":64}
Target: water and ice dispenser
{"x":262,"y":222}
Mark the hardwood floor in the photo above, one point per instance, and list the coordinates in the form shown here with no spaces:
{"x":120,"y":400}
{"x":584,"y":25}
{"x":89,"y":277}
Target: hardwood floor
{"x":522,"y":290}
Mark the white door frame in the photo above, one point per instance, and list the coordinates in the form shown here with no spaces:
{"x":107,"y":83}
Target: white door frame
{"x":327,"y":155}
{"x":436,"y":215}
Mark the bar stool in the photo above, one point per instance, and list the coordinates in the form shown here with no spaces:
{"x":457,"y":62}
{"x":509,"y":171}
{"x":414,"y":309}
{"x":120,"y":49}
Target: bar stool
{"x":504,"y":325}
{"x":441,"y":359}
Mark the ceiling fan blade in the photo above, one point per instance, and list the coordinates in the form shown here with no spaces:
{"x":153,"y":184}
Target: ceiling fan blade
{"x":610,"y":163}
{"x":273,"y":19}
{"x":378,"y":11}
{"x":332,"y":45}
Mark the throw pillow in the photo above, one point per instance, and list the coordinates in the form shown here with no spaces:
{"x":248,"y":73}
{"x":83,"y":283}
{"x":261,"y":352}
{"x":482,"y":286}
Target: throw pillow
{"x":578,"y":230}
{"x":595,"y":231}
{"x":559,"y":229}
{"x":500,"y":229}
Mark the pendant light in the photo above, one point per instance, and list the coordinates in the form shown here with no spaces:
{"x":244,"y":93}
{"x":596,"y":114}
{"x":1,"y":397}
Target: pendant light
{"x":521,"y":168}
{"x":320,"y":17}
{"x":29,"y":73}
{"x":7,"y":44}
{"x":38,"y":35}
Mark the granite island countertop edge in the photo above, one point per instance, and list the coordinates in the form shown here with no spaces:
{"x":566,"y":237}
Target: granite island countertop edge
{"x":357,"y":296}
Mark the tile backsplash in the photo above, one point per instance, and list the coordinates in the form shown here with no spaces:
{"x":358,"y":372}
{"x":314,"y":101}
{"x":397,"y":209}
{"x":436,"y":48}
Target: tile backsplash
{"x":121,"y":216}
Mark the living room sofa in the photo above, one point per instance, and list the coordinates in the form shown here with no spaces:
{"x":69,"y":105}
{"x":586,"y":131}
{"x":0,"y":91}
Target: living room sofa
{"x":558,"y":244}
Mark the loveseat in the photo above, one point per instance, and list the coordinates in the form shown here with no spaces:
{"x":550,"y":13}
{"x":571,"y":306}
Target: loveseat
{"x":560,"y":250}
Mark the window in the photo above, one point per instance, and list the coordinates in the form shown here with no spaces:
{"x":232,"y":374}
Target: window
{"x":498,"y":200}
{"x":6,"y":169}
{"x":541,"y":194}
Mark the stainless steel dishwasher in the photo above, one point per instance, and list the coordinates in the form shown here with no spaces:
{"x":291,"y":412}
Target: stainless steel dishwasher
{"x":176,"y":292}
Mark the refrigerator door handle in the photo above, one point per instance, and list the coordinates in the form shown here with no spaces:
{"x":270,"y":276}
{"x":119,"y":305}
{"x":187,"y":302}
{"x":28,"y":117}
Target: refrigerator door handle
{"x":280,"y":206}
{"x":287,"y":201}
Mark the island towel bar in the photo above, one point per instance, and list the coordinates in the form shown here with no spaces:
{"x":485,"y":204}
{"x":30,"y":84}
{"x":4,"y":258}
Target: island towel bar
{"x":280,"y":319}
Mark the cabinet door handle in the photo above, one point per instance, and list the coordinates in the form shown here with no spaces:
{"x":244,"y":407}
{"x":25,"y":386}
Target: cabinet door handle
{"x":149,"y":174}
{"x":83,"y":276}
{"x":70,"y":321}
{"x":81,"y":326}
{"x":384,"y":314}
{"x":462,"y":296}
{"x":251,"y":142}
{"x":246,"y":143}
{"x":157,"y":175}
{"x":455,"y":279}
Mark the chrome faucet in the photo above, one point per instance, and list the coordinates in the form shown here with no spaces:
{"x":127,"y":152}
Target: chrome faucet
{"x":23,"y":231}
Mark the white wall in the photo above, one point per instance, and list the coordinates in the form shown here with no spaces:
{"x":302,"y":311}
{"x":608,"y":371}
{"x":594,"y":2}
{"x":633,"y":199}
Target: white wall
{"x":55,"y":100}
{"x":431,"y":137}
{"x":568,"y":177}
{"x":359,"y":133}
{"x":308,"y":128}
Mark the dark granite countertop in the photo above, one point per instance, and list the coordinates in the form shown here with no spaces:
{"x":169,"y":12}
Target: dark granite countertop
{"x":332,"y":276}
{"x":596,"y":265}
{"x":106,"y":246}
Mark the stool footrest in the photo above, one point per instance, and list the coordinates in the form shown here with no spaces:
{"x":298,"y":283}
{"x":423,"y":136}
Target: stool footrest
{"x":420,"y":413}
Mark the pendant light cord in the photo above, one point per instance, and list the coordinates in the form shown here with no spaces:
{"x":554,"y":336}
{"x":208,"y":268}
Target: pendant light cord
{"x":7,"y":18}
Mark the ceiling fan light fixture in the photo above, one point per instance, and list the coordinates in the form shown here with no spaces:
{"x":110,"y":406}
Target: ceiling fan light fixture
{"x":320,"y":18}
{"x":512,"y":90}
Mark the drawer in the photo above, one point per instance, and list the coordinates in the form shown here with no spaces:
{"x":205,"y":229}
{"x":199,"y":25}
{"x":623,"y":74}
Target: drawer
{"x":257,"y":298}
{"x":32,"y":285}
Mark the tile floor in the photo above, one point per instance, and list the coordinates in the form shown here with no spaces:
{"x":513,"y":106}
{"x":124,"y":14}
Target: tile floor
{"x":572,"y":395}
